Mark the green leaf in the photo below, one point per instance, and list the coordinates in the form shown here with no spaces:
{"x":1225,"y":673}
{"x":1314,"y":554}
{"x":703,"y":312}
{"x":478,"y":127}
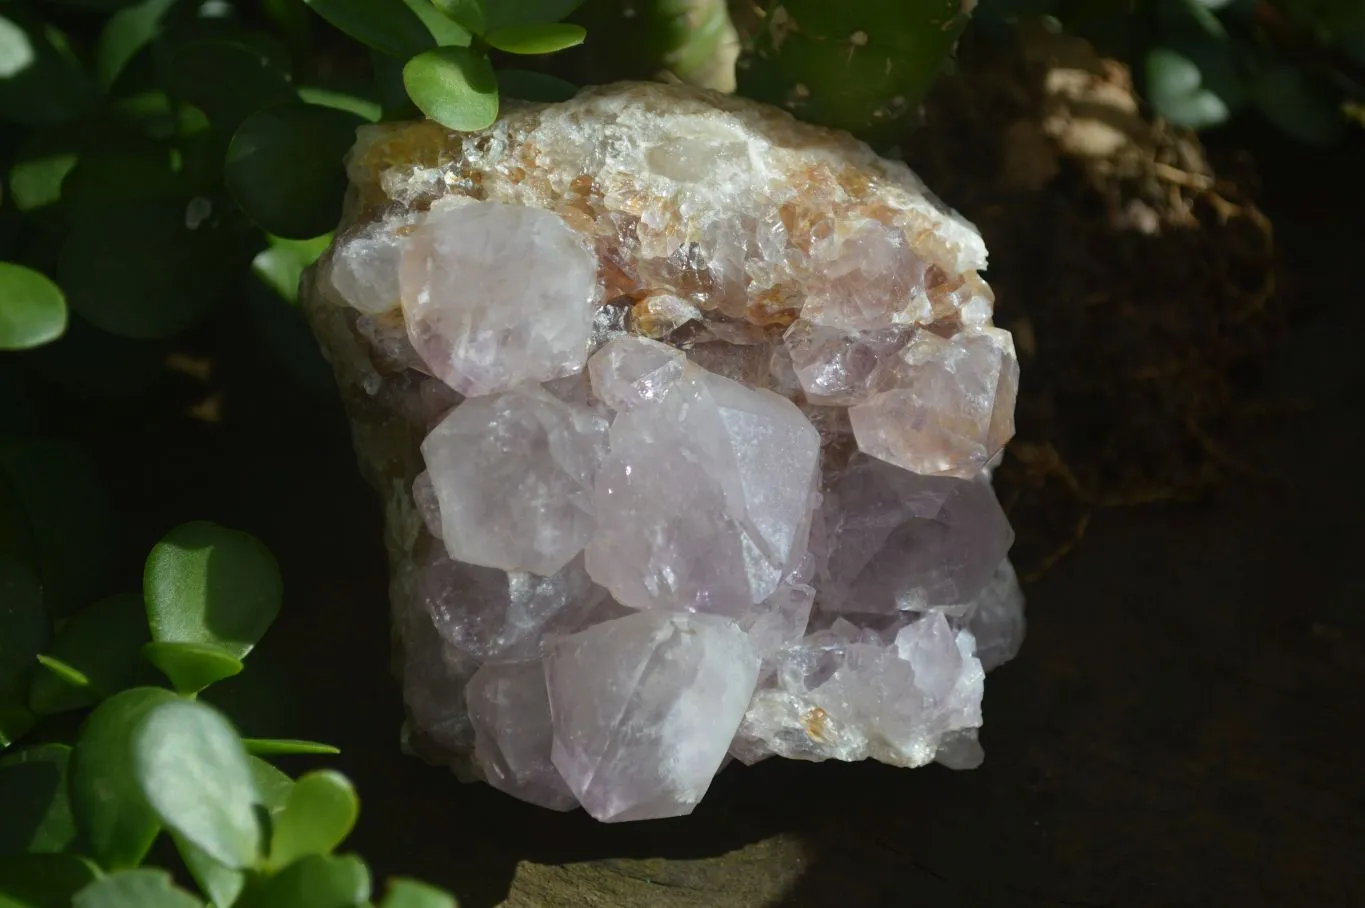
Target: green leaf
{"x":1175,"y":86}
{"x":271,"y":747}
{"x":35,"y":180}
{"x":126,"y":33}
{"x":315,"y":882}
{"x":1286,"y":97}
{"x":445,"y":31}
{"x":285,"y":167}
{"x":228,"y":81}
{"x":15,"y":722}
{"x":222,"y":884}
{"x":94,"y":655}
{"x":319,"y":815}
{"x":364,"y":108}
{"x":43,"y":880}
{"x":135,"y":889}
{"x":528,"y":85}
{"x":37,"y":809}
{"x":537,"y":39}
{"x":32,"y":308}
{"x":280,"y":265}
{"x":111,"y":812}
{"x":194,"y":773}
{"x":272,"y":785}
{"x":205,"y":583}
{"x":505,"y":13}
{"x":388,"y":26}
{"x":191,"y":667}
{"x":40,"y":80}
{"x":453,"y":86}
{"x":23,"y":627}
{"x":404,"y":893}
{"x":68,"y":518}
{"x":468,"y":14}
{"x":149,"y":269}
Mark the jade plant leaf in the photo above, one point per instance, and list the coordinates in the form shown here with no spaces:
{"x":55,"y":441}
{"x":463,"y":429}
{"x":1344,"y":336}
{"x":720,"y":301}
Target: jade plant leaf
{"x":271,"y":747}
{"x":316,"y":881}
{"x":453,"y":86}
{"x":545,"y":38}
{"x":404,"y":893}
{"x":111,"y":813}
{"x":37,"y":809}
{"x":318,"y":816}
{"x":468,"y":14}
{"x":32,"y":308}
{"x":135,"y":889}
{"x":208,"y":584}
{"x":284,"y":167}
{"x":389,"y":26}
{"x":191,"y":667}
{"x":43,"y":880}
{"x":506,"y":13}
{"x":194,"y":773}
{"x":101,"y":645}
{"x":221,"y":883}
{"x":272,"y":785}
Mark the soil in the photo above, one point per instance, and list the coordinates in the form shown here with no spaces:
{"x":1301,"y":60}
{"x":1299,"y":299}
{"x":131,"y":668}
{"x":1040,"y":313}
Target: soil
{"x":1176,"y":729}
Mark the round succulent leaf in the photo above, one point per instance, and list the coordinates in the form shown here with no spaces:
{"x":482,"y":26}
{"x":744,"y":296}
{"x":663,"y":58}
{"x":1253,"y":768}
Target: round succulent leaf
{"x":32,"y":308}
{"x":365,"y":108}
{"x":228,"y":81}
{"x":111,"y":813}
{"x":41,"y":83}
{"x":278,"y":747}
{"x":191,"y":667}
{"x":23,"y":626}
{"x":222,"y":884}
{"x":15,"y":722}
{"x":149,"y":269}
{"x":135,"y":889}
{"x":388,"y":26}
{"x":1288,"y":98}
{"x":1175,"y":87}
{"x":37,"y":809}
{"x":405,"y":893}
{"x":101,"y":644}
{"x":205,"y":583}
{"x":285,"y":168}
{"x":194,"y":773}
{"x":41,"y":164}
{"x":316,"y":881}
{"x":68,"y":518}
{"x":444,"y":31}
{"x":280,"y":265}
{"x":319,"y":815}
{"x":545,"y":38}
{"x":126,"y":33}
{"x":454,"y":86}
{"x":505,"y":13}
{"x":272,"y":785}
{"x":468,"y":14}
{"x":528,"y":85}
{"x":43,"y":880}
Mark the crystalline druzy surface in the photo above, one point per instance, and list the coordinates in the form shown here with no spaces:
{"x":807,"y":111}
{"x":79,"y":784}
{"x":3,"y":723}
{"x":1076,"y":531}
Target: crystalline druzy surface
{"x":682,"y":412}
{"x":644,"y":708}
{"x":497,"y":295}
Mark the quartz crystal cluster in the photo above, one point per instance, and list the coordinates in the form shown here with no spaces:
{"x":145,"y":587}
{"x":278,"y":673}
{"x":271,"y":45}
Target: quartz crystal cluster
{"x":683,"y":414}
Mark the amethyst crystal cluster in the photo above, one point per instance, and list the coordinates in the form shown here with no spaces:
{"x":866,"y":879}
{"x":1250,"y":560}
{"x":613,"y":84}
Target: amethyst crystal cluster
{"x":683,"y":414}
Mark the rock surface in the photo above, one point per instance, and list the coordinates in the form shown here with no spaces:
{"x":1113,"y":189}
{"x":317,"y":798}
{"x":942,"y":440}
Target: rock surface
{"x":683,"y":414}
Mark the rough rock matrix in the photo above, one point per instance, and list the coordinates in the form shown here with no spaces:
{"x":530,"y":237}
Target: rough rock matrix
{"x":683,"y":415}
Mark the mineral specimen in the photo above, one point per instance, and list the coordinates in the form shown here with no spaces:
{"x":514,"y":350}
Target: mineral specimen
{"x":683,"y":414}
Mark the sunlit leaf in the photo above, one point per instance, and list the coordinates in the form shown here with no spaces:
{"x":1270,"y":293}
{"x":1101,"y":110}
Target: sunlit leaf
{"x":319,"y":815}
{"x":537,"y":39}
{"x":194,"y":773}
{"x":135,"y":889}
{"x":316,"y":882}
{"x":205,"y":583}
{"x":453,"y":86}
{"x":32,"y":308}
{"x":405,"y":893}
{"x":275,"y":747}
{"x":191,"y":667}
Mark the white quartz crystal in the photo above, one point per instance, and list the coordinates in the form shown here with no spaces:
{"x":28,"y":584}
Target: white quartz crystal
{"x":496,"y":295}
{"x":683,"y":413}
